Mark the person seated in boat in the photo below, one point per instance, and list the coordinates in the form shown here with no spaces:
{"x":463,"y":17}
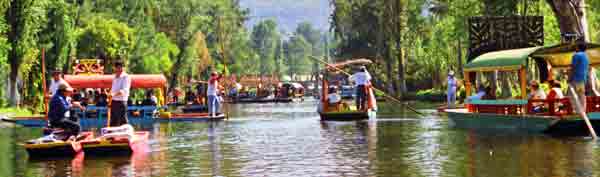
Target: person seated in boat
{"x":59,"y":111}
{"x":149,"y":101}
{"x":190,"y":97}
{"x":536,"y":93}
{"x":333,"y":97}
{"x":490,"y":93}
{"x":480,"y":93}
{"x":555,"y":94}
{"x":102,"y":99}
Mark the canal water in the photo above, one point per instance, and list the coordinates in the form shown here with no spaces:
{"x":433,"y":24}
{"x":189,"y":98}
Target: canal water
{"x":289,"y":140}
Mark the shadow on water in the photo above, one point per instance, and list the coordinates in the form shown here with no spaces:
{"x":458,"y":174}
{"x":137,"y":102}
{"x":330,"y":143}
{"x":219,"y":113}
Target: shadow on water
{"x":289,"y":140}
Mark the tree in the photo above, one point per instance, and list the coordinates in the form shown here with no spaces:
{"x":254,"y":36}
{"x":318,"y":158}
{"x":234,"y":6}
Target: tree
{"x":265,"y":39}
{"x":298,"y":51}
{"x":104,"y":38}
{"x":25,"y":19}
{"x":571,"y":18}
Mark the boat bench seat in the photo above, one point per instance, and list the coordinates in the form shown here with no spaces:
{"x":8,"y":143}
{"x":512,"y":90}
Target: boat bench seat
{"x":497,"y":106}
{"x":553,"y":107}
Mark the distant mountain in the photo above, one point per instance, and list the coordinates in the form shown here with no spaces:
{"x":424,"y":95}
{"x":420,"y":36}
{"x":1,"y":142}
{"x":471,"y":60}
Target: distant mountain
{"x":289,"y":13}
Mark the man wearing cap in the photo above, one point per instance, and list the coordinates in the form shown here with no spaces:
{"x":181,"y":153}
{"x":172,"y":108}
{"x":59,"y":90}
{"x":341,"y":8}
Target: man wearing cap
{"x":361,"y":79}
{"x":451,"y":95}
{"x":56,"y":81}
{"x":59,"y":114}
{"x":120,"y":94}
{"x":212,"y":93}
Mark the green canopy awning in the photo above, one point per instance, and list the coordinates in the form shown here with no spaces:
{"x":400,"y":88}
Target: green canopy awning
{"x":501,"y":60}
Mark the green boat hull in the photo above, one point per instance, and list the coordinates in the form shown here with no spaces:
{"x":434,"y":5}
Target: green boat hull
{"x":571,"y":126}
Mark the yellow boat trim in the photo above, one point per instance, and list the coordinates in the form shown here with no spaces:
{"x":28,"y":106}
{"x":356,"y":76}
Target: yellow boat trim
{"x":495,"y":68}
{"x":46,"y":145}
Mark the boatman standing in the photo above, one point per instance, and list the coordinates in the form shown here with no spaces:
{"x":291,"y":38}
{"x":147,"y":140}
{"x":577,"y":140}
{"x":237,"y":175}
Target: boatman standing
{"x":120,"y":94}
{"x":451,"y":95}
{"x":579,"y":69}
{"x":56,"y":81}
{"x":361,"y":79}
{"x":212,"y":93}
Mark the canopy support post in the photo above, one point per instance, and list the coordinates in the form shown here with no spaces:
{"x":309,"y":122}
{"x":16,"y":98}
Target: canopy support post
{"x":523,"y":79}
{"x":467,"y":81}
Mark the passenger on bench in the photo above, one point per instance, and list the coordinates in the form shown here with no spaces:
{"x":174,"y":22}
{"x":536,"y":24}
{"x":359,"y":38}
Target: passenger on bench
{"x":537,"y":93}
{"x":59,"y":115}
{"x":555,"y":94}
{"x":333,"y":96}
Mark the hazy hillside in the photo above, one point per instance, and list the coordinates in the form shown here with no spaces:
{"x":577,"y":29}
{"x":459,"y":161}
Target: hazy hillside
{"x":288,"y":13}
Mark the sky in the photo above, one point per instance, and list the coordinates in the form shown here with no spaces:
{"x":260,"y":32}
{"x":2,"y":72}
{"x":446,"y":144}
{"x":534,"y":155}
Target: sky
{"x":289,"y":13}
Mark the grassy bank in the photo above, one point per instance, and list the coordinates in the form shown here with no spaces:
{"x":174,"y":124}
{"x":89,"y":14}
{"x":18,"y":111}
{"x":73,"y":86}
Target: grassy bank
{"x":11,"y":111}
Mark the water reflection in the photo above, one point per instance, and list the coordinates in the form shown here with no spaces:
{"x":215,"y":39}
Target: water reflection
{"x":291,"y":141}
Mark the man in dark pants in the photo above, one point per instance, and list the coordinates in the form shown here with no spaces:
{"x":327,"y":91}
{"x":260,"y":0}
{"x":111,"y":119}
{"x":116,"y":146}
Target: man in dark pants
{"x":59,"y":114}
{"x":361,"y":80}
{"x":120,"y":94}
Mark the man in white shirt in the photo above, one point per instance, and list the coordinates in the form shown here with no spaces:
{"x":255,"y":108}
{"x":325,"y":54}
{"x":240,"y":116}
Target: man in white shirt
{"x":57,"y":80}
{"x":120,"y":94}
{"x":361,"y":80}
{"x":212,"y":93}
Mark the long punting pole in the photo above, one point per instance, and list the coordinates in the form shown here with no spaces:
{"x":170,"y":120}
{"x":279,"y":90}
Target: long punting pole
{"x":108,"y":111}
{"x":384,"y":94}
{"x":581,"y":112}
{"x":45,"y":92}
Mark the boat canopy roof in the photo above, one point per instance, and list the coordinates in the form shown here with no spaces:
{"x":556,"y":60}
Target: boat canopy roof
{"x":359,"y":61}
{"x":293,"y":84}
{"x":105,"y":81}
{"x":514,"y":59}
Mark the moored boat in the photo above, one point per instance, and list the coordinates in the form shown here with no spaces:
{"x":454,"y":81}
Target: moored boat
{"x":342,"y":110}
{"x":554,"y":116}
{"x":116,"y":140}
{"x":53,"y":145}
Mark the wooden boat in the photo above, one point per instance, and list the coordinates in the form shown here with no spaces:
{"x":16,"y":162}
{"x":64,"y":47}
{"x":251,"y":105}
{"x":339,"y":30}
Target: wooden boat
{"x":195,"y":108}
{"x":189,"y":117}
{"x":116,"y":140}
{"x":263,"y":100}
{"x":342,"y":111}
{"x":84,"y":122}
{"x":290,"y":92}
{"x":517,"y":115}
{"x":49,"y":146}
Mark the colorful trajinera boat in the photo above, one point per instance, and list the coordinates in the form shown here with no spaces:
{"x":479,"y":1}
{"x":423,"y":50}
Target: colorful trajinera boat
{"x":55,"y":145}
{"x":117,"y":140}
{"x":557,"y":116}
{"x":343,"y":111}
{"x":95,"y":115}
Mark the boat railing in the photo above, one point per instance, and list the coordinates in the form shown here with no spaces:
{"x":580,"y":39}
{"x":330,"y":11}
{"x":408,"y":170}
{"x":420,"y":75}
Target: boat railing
{"x":592,"y":104}
{"x":497,"y":106}
{"x":550,"y":107}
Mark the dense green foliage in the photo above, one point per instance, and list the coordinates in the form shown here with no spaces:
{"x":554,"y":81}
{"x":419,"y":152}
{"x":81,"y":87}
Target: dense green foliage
{"x":416,"y":42}
{"x":413,"y":42}
{"x":180,"y":39}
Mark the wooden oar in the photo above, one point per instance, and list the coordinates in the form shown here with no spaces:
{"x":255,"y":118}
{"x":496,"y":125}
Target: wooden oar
{"x":384,"y":93}
{"x":108,"y":111}
{"x":581,"y":112}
